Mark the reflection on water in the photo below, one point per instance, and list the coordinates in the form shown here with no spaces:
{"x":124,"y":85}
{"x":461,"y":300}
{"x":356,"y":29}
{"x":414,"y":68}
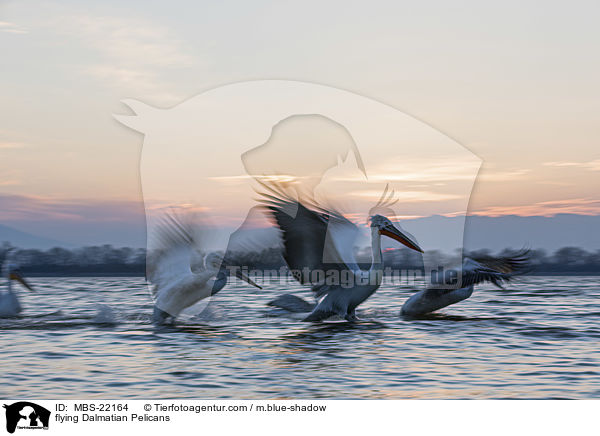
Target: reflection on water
{"x":92,"y":338}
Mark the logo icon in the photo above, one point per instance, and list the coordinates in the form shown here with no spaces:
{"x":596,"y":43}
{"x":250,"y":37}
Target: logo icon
{"x":26,"y":415}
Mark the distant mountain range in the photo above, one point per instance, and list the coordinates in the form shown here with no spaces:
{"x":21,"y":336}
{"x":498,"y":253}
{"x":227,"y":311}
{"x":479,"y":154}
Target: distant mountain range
{"x":27,"y":240}
{"x":510,"y":231}
{"x":550,"y":233}
{"x":494,"y":233}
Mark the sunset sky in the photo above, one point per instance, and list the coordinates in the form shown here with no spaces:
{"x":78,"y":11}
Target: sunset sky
{"x":516,"y":83}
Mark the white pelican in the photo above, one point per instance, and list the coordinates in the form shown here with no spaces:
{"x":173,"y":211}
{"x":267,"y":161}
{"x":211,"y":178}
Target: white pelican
{"x":179,"y":282}
{"x":441,"y":293}
{"x":9,"y":302}
{"x":318,"y":249}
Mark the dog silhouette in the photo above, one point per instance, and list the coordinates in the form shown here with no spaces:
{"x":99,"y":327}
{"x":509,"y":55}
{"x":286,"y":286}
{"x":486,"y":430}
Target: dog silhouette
{"x":13,"y":415}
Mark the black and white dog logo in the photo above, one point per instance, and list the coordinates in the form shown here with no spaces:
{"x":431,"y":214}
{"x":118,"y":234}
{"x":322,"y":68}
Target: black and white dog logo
{"x":26,"y":415}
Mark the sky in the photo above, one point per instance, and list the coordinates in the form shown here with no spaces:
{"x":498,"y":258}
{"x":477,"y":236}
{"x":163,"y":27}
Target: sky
{"x":515,"y":83}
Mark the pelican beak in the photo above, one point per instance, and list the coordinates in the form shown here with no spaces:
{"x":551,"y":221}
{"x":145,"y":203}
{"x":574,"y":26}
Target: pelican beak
{"x":16,"y":275}
{"x":394,"y":233}
{"x":240,"y":275}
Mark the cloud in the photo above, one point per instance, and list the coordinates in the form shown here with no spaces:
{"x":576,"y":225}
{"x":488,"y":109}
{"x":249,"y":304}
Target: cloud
{"x":131,"y":41}
{"x":408,"y":196}
{"x":502,"y":176}
{"x":143,"y":82}
{"x":10,"y":177}
{"x":31,"y":208}
{"x":8,"y":145}
{"x":243,"y":178}
{"x":7,"y":27}
{"x":581,"y":206}
{"x":133,"y":53}
{"x":426,"y":170}
{"x":593,"y":165}
{"x":433,"y":173}
{"x":442,"y":173}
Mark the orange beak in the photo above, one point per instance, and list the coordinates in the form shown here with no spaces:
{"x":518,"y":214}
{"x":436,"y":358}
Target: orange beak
{"x":397,"y":235}
{"x":19,"y":278}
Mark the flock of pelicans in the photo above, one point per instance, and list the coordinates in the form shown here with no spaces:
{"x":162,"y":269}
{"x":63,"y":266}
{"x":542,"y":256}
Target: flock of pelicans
{"x":313,"y":239}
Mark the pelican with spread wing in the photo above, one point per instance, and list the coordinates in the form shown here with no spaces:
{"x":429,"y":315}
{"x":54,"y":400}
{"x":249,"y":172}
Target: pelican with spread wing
{"x":318,"y":247}
{"x":9,"y":301}
{"x":178,"y":280}
{"x":446,"y":289}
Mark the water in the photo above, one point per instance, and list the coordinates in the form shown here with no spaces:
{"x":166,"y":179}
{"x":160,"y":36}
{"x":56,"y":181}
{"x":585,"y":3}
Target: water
{"x":92,"y":338}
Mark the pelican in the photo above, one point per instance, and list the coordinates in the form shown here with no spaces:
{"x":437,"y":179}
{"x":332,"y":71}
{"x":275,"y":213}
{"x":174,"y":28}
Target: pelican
{"x":318,"y":249}
{"x":441,"y":293}
{"x":9,"y":302}
{"x":169,"y":269}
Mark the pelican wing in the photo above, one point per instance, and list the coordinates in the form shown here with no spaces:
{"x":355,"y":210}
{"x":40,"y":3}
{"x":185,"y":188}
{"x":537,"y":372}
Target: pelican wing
{"x":175,"y":252}
{"x":313,"y":238}
{"x":496,"y":270}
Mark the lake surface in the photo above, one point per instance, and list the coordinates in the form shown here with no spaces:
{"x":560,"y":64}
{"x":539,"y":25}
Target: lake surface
{"x":91,"y":338}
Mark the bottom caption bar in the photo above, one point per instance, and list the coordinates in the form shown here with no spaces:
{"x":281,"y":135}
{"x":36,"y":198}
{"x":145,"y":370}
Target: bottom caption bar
{"x":291,"y":417}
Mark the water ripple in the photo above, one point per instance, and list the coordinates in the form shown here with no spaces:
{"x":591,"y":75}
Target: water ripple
{"x":93,"y":338}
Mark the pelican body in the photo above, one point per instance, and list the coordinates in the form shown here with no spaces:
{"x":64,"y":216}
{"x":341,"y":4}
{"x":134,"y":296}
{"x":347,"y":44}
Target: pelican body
{"x":169,"y":270}
{"x":474,"y":271}
{"x":318,"y":249}
{"x":342,"y":300}
{"x":9,"y":302}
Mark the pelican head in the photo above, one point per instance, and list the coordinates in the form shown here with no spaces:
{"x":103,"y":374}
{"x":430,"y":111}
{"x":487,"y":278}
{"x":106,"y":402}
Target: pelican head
{"x":12,"y":272}
{"x":387,"y":228}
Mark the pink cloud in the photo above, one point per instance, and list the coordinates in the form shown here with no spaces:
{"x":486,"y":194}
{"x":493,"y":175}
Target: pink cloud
{"x":31,"y":208}
{"x":580,"y":206}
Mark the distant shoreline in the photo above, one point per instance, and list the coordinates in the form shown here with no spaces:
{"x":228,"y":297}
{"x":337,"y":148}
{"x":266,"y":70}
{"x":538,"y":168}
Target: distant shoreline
{"x":108,"y":261}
